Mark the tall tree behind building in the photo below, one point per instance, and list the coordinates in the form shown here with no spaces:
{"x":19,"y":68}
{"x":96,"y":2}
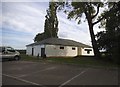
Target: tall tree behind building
{"x":51,"y":23}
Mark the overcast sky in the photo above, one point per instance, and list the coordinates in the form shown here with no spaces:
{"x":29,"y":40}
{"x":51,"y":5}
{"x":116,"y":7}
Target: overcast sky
{"x":21,"y":21}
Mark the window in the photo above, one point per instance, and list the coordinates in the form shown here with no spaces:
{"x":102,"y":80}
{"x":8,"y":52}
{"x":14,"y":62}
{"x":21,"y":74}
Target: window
{"x":61,"y":47}
{"x":73,"y":48}
{"x":88,"y":50}
{"x":10,"y":49}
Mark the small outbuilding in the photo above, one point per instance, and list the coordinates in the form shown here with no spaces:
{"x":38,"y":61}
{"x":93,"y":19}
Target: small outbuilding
{"x":56,"y":47}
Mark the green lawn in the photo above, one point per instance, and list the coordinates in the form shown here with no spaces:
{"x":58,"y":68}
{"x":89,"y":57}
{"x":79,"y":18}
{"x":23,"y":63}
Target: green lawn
{"x":82,"y":61}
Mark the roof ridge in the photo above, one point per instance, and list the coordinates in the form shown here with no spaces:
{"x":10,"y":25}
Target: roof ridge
{"x":60,"y":41}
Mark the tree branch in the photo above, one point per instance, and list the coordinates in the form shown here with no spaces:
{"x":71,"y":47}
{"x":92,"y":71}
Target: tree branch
{"x":104,"y":16}
{"x":96,"y":12}
{"x":85,"y":11}
{"x":98,"y":20}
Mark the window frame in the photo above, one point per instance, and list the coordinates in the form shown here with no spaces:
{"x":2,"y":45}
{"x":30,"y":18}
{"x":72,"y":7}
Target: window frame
{"x":61,"y":47}
{"x":88,"y":50}
{"x":73,"y":48}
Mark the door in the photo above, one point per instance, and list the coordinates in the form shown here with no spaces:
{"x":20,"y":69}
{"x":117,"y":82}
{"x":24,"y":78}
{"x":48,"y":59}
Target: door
{"x":42,"y":52}
{"x":32,"y":51}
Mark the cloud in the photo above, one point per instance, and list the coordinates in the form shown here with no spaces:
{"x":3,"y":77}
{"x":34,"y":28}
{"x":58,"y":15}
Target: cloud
{"x":22,"y":17}
{"x":23,"y":20}
{"x":71,"y":30}
{"x":15,"y":39}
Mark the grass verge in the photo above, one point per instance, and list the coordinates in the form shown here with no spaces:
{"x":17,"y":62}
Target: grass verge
{"x":83,"y":61}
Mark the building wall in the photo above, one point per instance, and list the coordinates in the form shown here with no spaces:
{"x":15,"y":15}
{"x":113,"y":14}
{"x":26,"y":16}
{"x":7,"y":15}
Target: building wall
{"x":55,"y":51}
{"x":29,"y":50}
{"x":85,"y":53}
{"x":37,"y":50}
{"x":79,"y":51}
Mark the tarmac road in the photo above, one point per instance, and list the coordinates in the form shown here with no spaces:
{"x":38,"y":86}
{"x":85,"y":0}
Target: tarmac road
{"x":44,"y":74}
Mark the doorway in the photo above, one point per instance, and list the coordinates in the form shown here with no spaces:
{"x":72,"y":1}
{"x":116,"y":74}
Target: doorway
{"x":32,"y":51}
{"x":42,"y":52}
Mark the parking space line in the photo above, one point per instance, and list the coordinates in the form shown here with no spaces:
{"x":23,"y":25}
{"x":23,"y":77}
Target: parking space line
{"x":26,"y":81}
{"x":73,"y":78}
{"x":50,"y":68}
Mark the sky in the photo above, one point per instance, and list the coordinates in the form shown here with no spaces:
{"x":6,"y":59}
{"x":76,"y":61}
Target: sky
{"x":21,"y":21}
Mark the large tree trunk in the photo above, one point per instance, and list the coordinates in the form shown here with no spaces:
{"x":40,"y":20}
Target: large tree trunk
{"x":94,"y":43}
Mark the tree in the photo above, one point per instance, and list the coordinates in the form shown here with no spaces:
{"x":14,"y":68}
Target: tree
{"x":39,"y":37}
{"x":51,"y":23}
{"x":91,"y":12}
{"x":109,"y":39}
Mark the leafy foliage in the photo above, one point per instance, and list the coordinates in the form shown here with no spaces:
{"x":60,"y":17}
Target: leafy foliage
{"x":91,"y":11}
{"x":109,"y":39}
{"x":39,"y":37}
{"x":51,"y":23}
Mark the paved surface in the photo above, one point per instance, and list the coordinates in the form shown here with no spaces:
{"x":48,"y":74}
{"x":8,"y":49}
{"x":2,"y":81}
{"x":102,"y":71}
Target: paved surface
{"x":41,"y":73}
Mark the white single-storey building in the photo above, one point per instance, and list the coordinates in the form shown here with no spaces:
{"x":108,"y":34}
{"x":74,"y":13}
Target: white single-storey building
{"x":56,"y":47}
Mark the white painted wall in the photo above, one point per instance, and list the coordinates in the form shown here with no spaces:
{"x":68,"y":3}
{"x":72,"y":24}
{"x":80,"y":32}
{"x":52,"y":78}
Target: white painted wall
{"x":84,"y":53}
{"x":55,"y":51}
{"x":37,"y":50}
{"x":29,"y":50}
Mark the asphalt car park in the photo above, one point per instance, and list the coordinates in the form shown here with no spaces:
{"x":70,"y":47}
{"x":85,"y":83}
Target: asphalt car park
{"x":45,"y":73}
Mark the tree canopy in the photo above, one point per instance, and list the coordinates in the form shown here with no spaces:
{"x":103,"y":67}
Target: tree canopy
{"x":39,"y":37}
{"x":51,"y":23}
{"x":91,"y":11}
{"x":109,"y":39}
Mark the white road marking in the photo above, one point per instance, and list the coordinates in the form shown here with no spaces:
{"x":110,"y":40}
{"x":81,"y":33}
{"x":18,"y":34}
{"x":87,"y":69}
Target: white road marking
{"x":26,"y":81}
{"x":50,"y":68}
{"x":72,"y":78}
